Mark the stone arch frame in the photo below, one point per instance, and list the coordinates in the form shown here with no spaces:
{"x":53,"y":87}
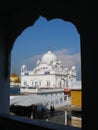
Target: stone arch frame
{"x":12,"y":24}
{"x":19,"y":19}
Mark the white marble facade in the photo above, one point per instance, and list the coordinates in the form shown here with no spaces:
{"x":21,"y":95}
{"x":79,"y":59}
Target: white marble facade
{"x":48,"y":80}
{"x":48,"y":73}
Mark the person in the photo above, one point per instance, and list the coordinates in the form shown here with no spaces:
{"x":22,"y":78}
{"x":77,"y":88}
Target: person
{"x":47,"y":119}
{"x":32,"y":115}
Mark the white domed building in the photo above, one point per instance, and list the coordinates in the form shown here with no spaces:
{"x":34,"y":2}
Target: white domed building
{"x":48,"y":79}
{"x":48,"y":73}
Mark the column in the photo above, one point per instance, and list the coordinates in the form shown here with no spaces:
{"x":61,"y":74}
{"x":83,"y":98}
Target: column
{"x":4,"y":73}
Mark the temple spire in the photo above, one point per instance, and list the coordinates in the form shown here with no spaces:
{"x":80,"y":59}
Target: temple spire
{"x":14,"y":70}
{"x":49,"y":48}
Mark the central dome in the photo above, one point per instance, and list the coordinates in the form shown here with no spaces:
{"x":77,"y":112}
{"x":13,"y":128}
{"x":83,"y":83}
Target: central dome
{"x":49,"y":57}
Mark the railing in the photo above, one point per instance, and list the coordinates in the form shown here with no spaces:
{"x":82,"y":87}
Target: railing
{"x":12,"y":122}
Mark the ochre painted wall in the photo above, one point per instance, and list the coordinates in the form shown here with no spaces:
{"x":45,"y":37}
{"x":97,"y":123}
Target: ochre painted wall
{"x":76,"y":97}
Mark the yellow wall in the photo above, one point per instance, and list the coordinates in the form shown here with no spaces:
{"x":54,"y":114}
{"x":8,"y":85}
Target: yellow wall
{"x":76,"y":97}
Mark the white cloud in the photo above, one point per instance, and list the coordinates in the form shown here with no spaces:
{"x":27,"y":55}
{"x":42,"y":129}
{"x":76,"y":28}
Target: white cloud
{"x":31,"y":61}
{"x":68,"y":59}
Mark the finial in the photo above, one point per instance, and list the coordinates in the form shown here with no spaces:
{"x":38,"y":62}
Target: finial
{"x":14,"y":70}
{"x":49,"y":47}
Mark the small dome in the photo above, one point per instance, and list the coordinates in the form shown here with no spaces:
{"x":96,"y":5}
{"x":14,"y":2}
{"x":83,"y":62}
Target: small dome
{"x":14,"y":78}
{"x":66,"y":69}
{"x":49,"y":57}
{"x":60,"y":62}
{"x":23,"y":66}
{"x":38,"y":61}
{"x":73,"y":68}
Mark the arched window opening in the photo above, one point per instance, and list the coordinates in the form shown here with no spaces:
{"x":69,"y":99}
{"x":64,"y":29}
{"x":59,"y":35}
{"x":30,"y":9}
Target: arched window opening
{"x":54,"y":45}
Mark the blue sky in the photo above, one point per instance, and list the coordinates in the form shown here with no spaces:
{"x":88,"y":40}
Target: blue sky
{"x":34,"y":41}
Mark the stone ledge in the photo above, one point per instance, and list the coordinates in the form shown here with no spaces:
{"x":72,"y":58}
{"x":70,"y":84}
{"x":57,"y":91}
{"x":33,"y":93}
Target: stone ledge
{"x":12,"y":122}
